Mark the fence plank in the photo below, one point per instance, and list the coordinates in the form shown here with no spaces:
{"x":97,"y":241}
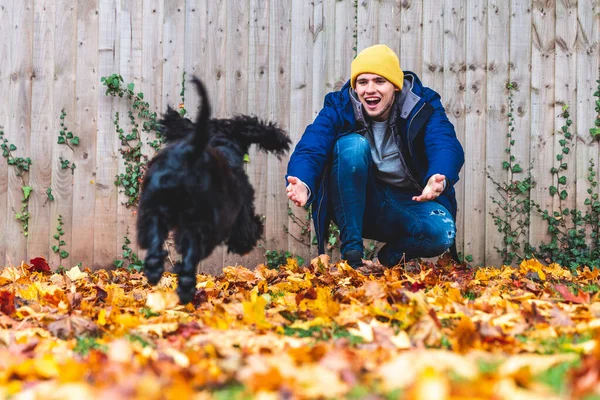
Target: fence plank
{"x":65,"y":64}
{"x":258,"y":103}
{"x":496,"y":140}
{"x":588,"y":71}
{"x":565,"y":93}
{"x":367,"y":24}
{"x":307,"y":28}
{"x":344,"y":42}
{"x":236,"y":79}
{"x":19,"y":126}
{"x":130,"y":67}
{"x":454,"y":90}
{"x":173,"y":53}
{"x":388,"y":25}
{"x":542,"y":112}
{"x":279,"y":106}
{"x":105,"y":215}
{"x":6,"y":48}
{"x":475,"y":129}
{"x":433,"y":45}
{"x":87,"y":82}
{"x":43,"y":128}
{"x":411,"y":36}
{"x":520,"y":76}
{"x":216,"y":70}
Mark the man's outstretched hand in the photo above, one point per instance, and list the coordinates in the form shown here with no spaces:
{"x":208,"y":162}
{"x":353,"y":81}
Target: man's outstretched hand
{"x":435,"y":187}
{"x":297,"y":192}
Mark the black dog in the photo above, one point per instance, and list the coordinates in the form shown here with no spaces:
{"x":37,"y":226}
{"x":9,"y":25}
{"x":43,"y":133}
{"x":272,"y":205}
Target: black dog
{"x":196,"y":186}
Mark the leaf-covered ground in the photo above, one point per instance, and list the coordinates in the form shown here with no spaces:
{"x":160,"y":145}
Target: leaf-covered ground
{"x":441,"y":331}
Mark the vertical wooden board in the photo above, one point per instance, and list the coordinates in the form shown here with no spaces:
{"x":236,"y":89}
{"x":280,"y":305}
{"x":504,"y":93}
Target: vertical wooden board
{"x":497,"y":104}
{"x":475,"y":131}
{"x":43,"y":129}
{"x":19,"y":123}
{"x":565,"y":93}
{"x":194,"y":58}
{"x":411,"y":36}
{"x":307,"y":39}
{"x":5,"y":109}
{"x":520,"y":76}
{"x":152,"y":64}
{"x":344,"y":42}
{"x":281,"y":21}
{"x":258,"y":103}
{"x":215,"y":78}
{"x":367,"y":14}
{"x":588,"y":71}
{"x":453,"y":96}
{"x":542,"y":113}
{"x":433,"y":45}
{"x":87,"y":82}
{"x":238,"y":14}
{"x":64,"y":89}
{"x":105,"y":215}
{"x":173,"y":49}
{"x":130,"y":68}
{"x":388,"y":25}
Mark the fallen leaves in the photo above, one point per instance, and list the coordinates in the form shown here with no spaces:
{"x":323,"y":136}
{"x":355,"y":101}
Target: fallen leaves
{"x":437,"y":331}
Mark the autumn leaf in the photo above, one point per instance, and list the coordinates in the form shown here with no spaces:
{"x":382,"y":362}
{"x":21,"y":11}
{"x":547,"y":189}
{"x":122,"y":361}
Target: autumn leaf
{"x":580,"y":298}
{"x":39,"y":264}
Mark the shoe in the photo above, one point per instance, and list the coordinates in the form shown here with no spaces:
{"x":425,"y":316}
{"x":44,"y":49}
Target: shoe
{"x":353,"y":258}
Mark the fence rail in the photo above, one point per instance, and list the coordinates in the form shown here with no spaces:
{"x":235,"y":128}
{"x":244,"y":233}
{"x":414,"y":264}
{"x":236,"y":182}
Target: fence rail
{"x":277,"y":59}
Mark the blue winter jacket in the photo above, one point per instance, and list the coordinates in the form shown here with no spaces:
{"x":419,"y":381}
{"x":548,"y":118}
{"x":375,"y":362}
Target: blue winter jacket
{"x":425,"y":137}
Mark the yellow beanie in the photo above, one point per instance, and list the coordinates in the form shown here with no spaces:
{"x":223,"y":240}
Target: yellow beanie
{"x":380,"y":60}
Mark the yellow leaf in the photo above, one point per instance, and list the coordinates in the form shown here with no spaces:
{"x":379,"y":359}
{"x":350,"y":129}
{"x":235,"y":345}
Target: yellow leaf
{"x":254,"y":311}
{"x":162,"y":300}
{"x":533,"y":265}
{"x":75,"y":274}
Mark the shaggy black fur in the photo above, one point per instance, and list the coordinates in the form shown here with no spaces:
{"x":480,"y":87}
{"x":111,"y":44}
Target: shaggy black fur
{"x":196,"y":186}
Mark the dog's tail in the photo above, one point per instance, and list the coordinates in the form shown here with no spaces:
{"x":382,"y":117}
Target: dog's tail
{"x":202,"y":132}
{"x":267,"y":135}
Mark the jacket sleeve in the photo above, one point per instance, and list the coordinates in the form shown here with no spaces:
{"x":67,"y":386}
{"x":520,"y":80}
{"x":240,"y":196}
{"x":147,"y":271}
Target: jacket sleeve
{"x":312,"y":152}
{"x":444,"y":152}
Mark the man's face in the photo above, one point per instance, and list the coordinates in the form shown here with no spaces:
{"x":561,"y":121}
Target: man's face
{"x":376,"y":95}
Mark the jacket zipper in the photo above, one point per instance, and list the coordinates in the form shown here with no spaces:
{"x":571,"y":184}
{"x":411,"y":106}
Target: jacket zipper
{"x":319,"y":211}
{"x":412,"y":178}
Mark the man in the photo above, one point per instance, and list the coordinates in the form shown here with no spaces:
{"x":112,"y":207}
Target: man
{"x":381,"y":160}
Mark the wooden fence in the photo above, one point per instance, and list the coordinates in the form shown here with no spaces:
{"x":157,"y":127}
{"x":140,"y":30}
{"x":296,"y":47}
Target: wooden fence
{"x":277,"y":59}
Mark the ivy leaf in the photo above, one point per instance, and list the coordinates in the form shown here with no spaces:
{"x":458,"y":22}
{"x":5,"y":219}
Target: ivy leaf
{"x":27,"y":191}
{"x":562,"y":180}
{"x":517,"y":168}
{"x":553,"y":190}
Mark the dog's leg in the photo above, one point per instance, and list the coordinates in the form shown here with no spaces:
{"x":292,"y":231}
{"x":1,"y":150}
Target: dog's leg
{"x":155,"y":236}
{"x":190,"y":246}
{"x":248,"y":229}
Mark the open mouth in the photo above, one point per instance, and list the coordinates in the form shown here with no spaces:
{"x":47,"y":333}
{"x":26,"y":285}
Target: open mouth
{"x":372,"y":101}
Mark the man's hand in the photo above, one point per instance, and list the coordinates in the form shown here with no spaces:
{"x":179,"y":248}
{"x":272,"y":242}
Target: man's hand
{"x":297,"y":192}
{"x":435,"y":187}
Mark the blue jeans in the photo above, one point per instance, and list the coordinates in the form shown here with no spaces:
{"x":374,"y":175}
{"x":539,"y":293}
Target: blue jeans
{"x":365,"y":207}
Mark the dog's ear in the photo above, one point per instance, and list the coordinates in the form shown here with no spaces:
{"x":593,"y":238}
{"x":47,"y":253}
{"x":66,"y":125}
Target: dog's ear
{"x":174,"y":127}
{"x":267,"y":135}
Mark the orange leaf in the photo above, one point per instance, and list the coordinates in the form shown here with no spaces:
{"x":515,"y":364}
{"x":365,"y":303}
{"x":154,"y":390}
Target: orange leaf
{"x":581,"y":298}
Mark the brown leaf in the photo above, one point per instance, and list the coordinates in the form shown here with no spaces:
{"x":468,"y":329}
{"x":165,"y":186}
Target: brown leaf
{"x":72,"y":326}
{"x":7,"y":302}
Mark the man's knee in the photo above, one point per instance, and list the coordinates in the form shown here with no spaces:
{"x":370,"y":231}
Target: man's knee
{"x":439,"y":233}
{"x":353,"y":150}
